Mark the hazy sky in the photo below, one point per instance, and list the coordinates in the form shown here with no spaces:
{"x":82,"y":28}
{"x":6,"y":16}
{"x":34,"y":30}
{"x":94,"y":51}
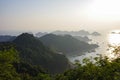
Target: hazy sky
{"x":50,"y":15}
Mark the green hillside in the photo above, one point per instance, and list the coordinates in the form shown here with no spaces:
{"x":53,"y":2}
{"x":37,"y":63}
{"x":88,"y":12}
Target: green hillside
{"x":32,"y":51}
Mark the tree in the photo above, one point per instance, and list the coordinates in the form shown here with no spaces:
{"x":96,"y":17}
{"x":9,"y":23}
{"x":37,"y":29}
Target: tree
{"x":7,"y":70}
{"x":101,"y":69}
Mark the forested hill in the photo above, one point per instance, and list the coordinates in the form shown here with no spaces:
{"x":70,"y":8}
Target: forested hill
{"x":67,"y":44}
{"x":32,"y":51}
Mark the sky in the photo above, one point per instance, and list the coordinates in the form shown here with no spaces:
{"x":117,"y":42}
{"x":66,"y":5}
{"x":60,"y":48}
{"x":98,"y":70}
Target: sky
{"x":49,"y":15}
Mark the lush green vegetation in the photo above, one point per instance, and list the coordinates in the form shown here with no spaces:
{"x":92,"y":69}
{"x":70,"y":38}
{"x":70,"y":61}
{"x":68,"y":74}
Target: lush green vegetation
{"x":7,"y":70}
{"x":12,"y":68}
{"x":101,"y":69}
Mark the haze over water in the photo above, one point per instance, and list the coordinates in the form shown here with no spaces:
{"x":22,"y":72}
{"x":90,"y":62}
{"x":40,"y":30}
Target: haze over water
{"x":101,"y":41}
{"x":114,"y":42}
{"x":104,"y":41}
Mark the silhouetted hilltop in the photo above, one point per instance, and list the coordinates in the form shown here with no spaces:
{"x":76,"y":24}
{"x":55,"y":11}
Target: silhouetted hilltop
{"x":32,"y":51}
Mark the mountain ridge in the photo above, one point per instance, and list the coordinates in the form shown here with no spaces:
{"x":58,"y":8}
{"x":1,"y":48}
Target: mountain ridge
{"x":31,"y":50}
{"x":66,"y":44}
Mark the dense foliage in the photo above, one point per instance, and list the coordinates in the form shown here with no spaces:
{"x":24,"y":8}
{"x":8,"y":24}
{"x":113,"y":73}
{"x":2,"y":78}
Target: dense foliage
{"x":101,"y":69}
{"x":7,"y":70}
{"x":11,"y":68}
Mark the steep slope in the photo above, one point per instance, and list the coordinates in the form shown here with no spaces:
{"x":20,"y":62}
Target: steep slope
{"x":67,"y":44}
{"x":34,"y":52}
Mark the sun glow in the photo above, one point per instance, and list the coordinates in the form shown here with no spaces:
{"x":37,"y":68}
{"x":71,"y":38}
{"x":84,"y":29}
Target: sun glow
{"x":114,"y":38}
{"x":114,"y":44}
{"x":104,"y":10}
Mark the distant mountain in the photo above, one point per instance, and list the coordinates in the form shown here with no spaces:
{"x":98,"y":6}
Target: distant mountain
{"x":40,"y":34}
{"x":67,"y":44}
{"x":82,"y":33}
{"x":76,"y":33}
{"x":32,"y":51}
{"x":73,"y":33}
{"x":6,"y":38}
{"x":84,"y":39}
{"x":95,"y":34}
